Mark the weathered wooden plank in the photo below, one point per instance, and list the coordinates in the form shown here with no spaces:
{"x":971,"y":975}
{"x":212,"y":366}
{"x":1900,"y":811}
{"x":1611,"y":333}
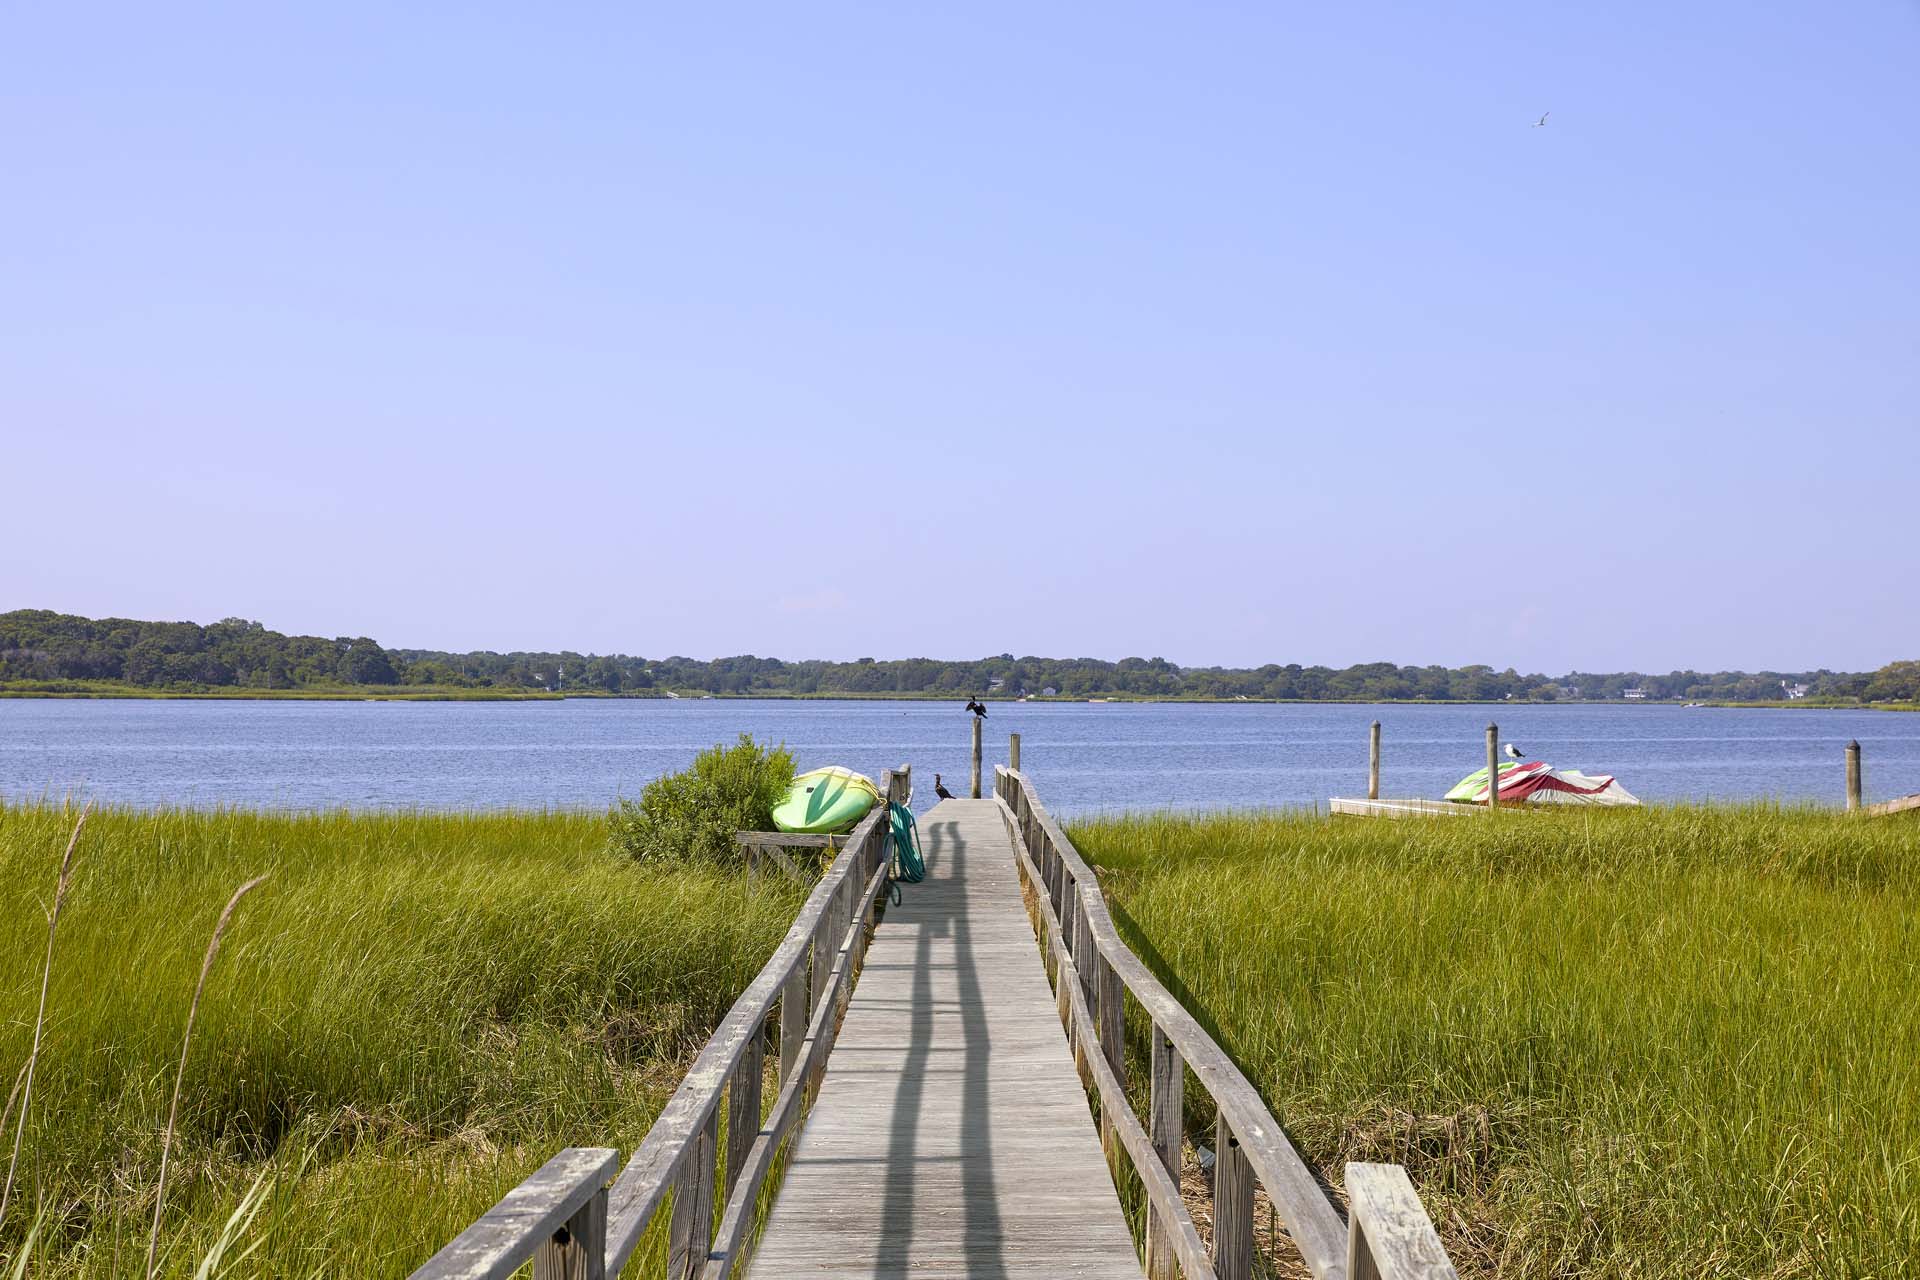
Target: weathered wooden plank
{"x":789,"y":840}
{"x":793,"y":1021}
{"x":690,"y":1232}
{"x":1390,"y":1236}
{"x":743,"y":1108}
{"x":1905,"y":804}
{"x":1401,"y":808}
{"x":578,"y":1250}
{"x":1166,"y":1123}
{"x":1232,"y":1205}
{"x":526,"y":1218}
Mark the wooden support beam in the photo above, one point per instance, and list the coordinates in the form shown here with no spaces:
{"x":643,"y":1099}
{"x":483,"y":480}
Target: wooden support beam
{"x":1373,"y":762}
{"x":1166,"y":1121}
{"x":1493,"y":767}
{"x":578,"y":1250}
{"x":975,"y":792}
{"x":1389,"y":1236}
{"x":1853,"y":776}
{"x":793,"y":1020}
{"x":1232,"y":1206}
{"x":690,"y":1234}
{"x":743,"y":1109}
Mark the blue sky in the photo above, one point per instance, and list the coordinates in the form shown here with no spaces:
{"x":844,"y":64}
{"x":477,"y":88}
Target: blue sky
{"x":1228,"y":334}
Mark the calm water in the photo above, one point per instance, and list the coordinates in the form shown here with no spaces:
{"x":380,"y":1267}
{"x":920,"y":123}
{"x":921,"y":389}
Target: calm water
{"x":453,"y":755}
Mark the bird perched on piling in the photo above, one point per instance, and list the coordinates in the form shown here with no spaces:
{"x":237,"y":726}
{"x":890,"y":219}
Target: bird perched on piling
{"x":974,"y":705}
{"x":940,"y":789}
{"x":1514,"y":752}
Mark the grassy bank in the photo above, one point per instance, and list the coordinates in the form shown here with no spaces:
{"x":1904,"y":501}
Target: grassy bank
{"x":408,"y":1017}
{"x":1661,"y":1043}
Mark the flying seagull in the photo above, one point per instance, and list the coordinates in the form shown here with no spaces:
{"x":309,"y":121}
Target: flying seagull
{"x":940,"y":789}
{"x":1541,"y":122}
{"x":1514,"y":752}
{"x":973,"y":705}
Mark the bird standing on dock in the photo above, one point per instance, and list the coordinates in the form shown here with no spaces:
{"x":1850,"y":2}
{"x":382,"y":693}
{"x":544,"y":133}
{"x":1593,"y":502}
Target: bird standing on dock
{"x":940,"y":789}
{"x":1514,"y":752}
{"x":974,"y":705}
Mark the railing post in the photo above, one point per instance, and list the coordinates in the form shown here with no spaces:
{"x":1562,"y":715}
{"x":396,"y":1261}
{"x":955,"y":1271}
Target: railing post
{"x":1389,"y":1235}
{"x":1232,"y":1206}
{"x":1165,"y":1120}
{"x":1112,"y":1014}
{"x":578,"y":1250}
{"x":793,"y":1019}
{"x":1373,"y":762}
{"x":690,"y":1234}
{"x":976,"y":758}
{"x":822,"y":956}
{"x":1013,"y":752}
{"x":840,"y":912}
{"x":743,"y":1107}
{"x":1083,"y":951}
{"x":1853,"y":776}
{"x":1493,"y":767}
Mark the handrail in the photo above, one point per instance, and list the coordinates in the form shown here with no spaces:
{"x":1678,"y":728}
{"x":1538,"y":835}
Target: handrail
{"x":1391,"y":1236}
{"x":1250,"y":1142}
{"x":680,"y":1151}
{"x":562,"y":1208}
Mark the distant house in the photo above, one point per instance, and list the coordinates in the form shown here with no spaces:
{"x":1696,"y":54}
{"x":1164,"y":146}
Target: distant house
{"x":1795,"y":690}
{"x":996,"y":683}
{"x":1049,"y":692}
{"x":1637,"y":695}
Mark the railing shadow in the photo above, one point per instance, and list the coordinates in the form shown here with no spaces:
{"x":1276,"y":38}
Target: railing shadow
{"x":934,"y":914}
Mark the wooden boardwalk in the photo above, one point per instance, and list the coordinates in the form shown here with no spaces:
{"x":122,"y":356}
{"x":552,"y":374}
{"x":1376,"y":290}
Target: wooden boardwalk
{"x":951,"y":1136}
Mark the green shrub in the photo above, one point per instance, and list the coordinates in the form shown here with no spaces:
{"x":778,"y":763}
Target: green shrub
{"x":692,"y":815}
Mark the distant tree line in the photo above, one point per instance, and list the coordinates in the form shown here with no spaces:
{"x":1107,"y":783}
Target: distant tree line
{"x":39,"y":645}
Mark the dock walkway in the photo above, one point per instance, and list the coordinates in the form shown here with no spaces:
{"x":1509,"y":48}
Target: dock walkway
{"x":951,"y":1136}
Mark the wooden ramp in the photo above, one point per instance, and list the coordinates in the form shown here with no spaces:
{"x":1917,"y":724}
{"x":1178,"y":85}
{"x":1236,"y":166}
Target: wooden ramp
{"x":951,"y":1136}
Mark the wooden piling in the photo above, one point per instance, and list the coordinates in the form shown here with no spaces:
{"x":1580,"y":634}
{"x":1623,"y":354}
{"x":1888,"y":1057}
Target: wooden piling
{"x":1373,"y":762}
{"x":1013,"y":752}
{"x":975,"y":791}
{"x":1493,"y":767}
{"x":1853,"y":777}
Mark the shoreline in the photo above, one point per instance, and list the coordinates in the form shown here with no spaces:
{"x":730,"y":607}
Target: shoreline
{"x":436,"y":693}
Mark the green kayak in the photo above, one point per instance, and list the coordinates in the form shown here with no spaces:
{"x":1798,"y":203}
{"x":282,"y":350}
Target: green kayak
{"x":826,"y":801}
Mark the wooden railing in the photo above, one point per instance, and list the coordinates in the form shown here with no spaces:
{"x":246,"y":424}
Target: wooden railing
{"x":1389,"y":1236}
{"x":568,"y":1222}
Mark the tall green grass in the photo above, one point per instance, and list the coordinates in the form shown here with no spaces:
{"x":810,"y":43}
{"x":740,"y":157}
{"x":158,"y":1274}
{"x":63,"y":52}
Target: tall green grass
{"x":411,"y":1015}
{"x":1680,"y":1042}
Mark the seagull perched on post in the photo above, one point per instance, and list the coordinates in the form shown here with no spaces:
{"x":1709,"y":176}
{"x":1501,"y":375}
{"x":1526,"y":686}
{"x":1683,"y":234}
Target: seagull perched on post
{"x":974,"y":705}
{"x":1542,"y":121}
{"x":1514,"y":752}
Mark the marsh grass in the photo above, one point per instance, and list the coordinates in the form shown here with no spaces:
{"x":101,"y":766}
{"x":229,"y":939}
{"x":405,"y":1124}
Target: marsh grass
{"x":419,"y":1011}
{"x":1655,"y":1043}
